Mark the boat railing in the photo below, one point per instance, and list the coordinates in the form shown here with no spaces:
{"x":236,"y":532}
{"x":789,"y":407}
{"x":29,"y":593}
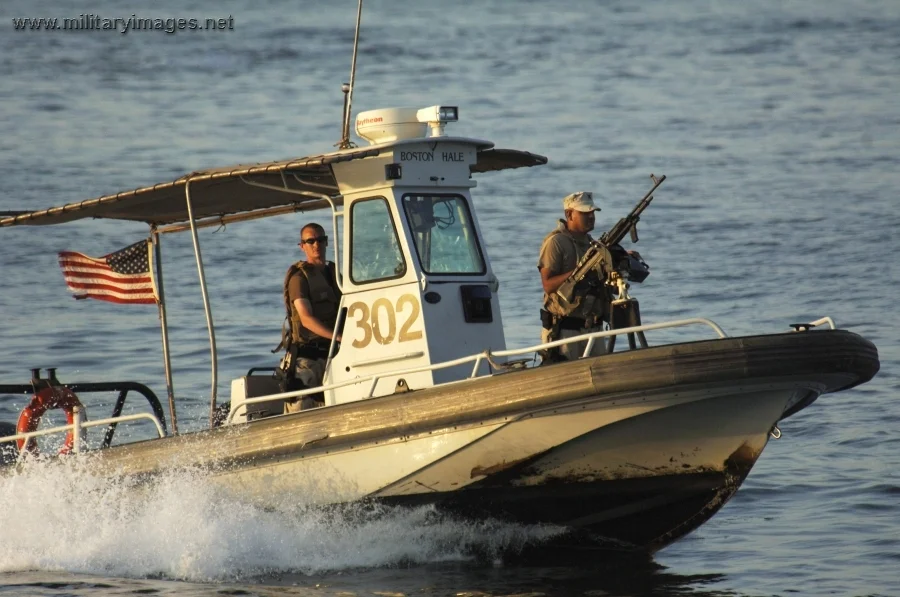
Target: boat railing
{"x":77,"y":425}
{"x":478,"y":359}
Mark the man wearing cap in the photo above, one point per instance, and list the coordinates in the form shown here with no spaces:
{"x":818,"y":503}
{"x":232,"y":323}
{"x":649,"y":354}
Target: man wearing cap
{"x":560,"y":253}
{"x":311,"y":300}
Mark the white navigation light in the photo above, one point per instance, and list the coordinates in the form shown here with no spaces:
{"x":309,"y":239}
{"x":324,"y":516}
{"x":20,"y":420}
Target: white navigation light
{"x":393,"y":124}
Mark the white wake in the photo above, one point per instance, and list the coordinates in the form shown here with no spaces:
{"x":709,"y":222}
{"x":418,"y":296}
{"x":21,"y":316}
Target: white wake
{"x":58,"y":516}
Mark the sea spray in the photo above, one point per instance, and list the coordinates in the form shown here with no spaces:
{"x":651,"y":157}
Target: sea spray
{"x":59,"y":515}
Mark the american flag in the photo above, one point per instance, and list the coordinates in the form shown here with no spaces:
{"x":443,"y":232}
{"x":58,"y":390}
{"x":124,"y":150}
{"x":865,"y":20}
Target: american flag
{"x":121,"y":277}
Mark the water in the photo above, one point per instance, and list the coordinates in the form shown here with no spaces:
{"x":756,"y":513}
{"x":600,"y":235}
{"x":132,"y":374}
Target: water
{"x":777,"y":124}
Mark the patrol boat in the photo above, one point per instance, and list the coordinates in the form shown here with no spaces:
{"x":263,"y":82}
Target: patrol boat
{"x":424,"y":402}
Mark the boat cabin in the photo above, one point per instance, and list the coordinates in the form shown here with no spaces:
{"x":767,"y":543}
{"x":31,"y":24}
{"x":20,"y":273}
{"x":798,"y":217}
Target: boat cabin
{"x":418,"y":285}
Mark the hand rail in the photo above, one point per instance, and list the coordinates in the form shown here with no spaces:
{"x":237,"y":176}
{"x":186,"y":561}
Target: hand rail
{"x":77,"y":425}
{"x":478,"y":358}
{"x":590,"y":337}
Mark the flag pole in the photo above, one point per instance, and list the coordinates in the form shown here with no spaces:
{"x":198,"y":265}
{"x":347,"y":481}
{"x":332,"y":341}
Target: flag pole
{"x":164,"y":326}
{"x":209,"y":322}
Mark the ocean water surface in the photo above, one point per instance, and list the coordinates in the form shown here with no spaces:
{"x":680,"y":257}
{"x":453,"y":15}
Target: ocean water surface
{"x":776,"y":123}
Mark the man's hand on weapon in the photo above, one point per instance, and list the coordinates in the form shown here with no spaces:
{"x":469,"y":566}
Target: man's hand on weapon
{"x":592,"y":283}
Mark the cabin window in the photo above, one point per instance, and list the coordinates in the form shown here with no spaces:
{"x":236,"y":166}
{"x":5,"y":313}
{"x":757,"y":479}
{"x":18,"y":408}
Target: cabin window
{"x":374,"y":247}
{"x":444,"y":234}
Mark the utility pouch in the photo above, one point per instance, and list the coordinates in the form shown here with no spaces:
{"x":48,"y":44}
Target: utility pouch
{"x":546,"y":319}
{"x":285,"y":373}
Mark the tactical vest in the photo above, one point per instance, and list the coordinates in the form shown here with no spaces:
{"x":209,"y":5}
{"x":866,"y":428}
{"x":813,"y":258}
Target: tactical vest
{"x":595,"y":303}
{"x":323,"y":298}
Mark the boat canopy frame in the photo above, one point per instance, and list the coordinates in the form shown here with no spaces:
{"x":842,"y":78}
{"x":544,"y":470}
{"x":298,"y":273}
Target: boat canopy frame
{"x":220,"y":196}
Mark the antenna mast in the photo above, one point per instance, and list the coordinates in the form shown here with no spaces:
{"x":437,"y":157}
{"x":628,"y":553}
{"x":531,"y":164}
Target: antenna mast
{"x":348,"y":88}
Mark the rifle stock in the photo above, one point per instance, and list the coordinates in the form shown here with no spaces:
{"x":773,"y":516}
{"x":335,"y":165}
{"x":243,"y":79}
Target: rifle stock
{"x":591,"y":260}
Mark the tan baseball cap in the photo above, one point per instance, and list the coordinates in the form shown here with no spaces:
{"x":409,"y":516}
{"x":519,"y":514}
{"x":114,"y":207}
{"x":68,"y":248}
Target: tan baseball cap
{"x":580,"y":201}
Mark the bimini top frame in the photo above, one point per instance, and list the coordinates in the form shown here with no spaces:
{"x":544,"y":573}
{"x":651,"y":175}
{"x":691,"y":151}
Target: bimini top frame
{"x":224,"y":195}
{"x":216,"y":193}
{"x":221,"y":192}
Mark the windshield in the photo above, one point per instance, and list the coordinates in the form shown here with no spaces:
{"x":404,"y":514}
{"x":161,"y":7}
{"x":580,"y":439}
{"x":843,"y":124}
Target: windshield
{"x":444,"y":234}
{"x":374,"y":250}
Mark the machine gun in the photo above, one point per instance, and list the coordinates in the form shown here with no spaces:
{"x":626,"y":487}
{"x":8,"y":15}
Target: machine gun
{"x":605,"y":255}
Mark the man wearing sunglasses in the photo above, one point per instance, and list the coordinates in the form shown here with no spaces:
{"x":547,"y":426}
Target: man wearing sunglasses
{"x":311,"y":300}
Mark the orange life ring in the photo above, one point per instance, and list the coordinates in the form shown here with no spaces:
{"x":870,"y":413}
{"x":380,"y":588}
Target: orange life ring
{"x":46,"y":399}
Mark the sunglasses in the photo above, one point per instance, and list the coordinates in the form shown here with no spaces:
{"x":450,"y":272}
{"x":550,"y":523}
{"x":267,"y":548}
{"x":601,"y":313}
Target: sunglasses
{"x":314,"y":240}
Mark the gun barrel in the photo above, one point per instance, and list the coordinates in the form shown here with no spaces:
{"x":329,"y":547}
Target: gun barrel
{"x":615,"y":234}
{"x":643,"y":203}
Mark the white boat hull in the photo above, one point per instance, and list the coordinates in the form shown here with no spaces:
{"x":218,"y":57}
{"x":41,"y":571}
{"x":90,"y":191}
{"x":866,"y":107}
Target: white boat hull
{"x":630,"y":450}
{"x":590,"y":444}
